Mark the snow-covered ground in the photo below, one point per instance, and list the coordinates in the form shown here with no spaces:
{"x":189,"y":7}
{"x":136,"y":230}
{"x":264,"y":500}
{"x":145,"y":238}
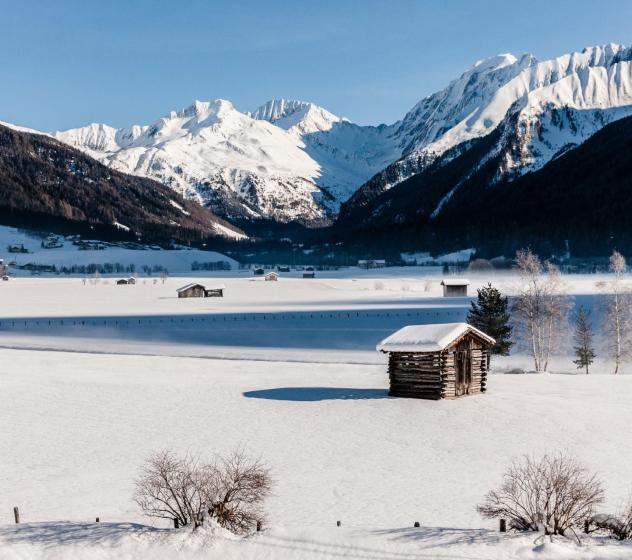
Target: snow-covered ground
{"x":288,"y":370}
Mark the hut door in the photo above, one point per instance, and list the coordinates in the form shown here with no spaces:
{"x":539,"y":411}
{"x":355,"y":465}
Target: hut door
{"x":463,"y":363}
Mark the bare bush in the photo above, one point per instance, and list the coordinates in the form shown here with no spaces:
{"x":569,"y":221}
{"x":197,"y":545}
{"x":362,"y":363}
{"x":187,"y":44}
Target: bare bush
{"x":553,"y":494}
{"x":618,"y":526}
{"x":240,"y":486}
{"x":230,"y":490}
{"x":169,"y":487}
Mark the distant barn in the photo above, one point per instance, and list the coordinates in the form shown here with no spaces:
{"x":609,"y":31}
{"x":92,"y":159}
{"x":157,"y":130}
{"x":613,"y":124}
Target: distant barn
{"x":259,"y":272}
{"x":441,"y":361}
{"x":126,"y":281}
{"x":271,"y":277}
{"x":455,"y":287}
{"x":198,"y":290}
{"x":309,"y":274}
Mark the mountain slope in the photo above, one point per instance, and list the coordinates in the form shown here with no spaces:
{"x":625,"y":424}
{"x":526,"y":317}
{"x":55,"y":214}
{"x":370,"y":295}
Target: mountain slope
{"x":491,"y":93}
{"x":584,"y":195}
{"x":288,"y":161}
{"x":43,"y":181}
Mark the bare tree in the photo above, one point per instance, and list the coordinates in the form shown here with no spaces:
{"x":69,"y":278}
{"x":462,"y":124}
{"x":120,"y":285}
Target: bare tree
{"x":553,"y":494}
{"x":541,"y":308}
{"x":618,"y":316}
{"x":230,"y":490}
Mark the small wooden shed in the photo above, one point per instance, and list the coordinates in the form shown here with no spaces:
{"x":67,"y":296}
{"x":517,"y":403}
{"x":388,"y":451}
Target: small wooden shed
{"x":309,"y":274}
{"x":191,"y":290}
{"x":271,"y":277}
{"x":455,"y":287}
{"x":441,"y":361}
{"x":216,"y":290}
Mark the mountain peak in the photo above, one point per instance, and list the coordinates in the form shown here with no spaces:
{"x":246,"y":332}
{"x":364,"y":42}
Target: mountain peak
{"x":276,"y":109}
{"x":495,"y":62}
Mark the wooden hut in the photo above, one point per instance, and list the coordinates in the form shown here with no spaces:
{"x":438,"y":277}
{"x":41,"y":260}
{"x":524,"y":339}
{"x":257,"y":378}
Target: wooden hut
{"x":309,"y":274}
{"x":215,"y":291}
{"x":441,"y":361}
{"x":122,"y":282}
{"x":455,"y":287}
{"x":191,"y":290}
{"x":271,"y":277}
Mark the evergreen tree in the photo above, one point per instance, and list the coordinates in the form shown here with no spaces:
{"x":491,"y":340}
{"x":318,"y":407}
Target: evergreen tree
{"x":489,"y":314}
{"x":583,"y":338}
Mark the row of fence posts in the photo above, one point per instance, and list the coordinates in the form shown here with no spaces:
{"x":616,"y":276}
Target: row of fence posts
{"x":502,"y":525}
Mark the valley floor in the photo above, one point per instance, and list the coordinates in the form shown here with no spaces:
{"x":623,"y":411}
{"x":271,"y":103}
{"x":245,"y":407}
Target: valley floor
{"x":94,"y":378}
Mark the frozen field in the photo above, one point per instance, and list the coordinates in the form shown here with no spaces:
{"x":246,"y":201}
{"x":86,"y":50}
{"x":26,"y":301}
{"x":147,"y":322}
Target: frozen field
{"x":75,"y":427}
{"x":95,"y":377}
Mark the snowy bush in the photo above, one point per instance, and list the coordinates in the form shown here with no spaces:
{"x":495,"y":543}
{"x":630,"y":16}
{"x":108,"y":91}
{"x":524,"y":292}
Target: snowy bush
{"x":617,"y":526}
{"x":552,"y":494}
{"x":231,"y":491}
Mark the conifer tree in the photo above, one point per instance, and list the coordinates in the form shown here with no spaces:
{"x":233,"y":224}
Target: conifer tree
{"x":583,"y":341}
{"x":489,"y":313}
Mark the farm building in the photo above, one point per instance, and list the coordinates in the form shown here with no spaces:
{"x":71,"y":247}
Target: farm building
{"x":441,"y":361}
{"x":259,"y":272}
{"x":309,"y":274}
{"x":281,"y":268}
{"x":126,"y":281}
{"x":455,"y":287}
{"x":215,"y":291}
{"x":271,"y":277}
{"x":198,"y":290}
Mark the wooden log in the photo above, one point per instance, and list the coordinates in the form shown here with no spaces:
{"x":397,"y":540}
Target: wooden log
{"x":16,"y":514}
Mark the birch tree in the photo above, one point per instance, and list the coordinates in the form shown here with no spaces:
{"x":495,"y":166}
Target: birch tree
{"x":540,"y":309}
{"x":618,"y":318}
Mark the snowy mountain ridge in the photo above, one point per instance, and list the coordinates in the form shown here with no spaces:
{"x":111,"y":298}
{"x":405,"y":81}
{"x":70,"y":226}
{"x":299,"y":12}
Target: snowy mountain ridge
{"x":292,"y":160}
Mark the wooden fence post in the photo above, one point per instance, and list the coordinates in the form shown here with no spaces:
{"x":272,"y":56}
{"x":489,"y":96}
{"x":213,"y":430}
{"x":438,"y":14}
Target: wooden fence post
{"x":176,"y":523}
{"x":503,"y":526}
{"x":416,"y":524}
{"x":97,"y":521}
{"x":258,"y":526}
{"x":587,"y":526}
{"x":338,"y":523}
{"x":16,"y":514}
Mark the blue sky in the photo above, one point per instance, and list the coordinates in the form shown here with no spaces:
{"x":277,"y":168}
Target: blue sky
{"x":67,"y":63}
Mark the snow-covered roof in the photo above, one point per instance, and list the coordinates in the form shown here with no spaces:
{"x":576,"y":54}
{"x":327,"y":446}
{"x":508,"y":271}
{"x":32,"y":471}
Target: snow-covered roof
{"x":455,"y":282}
{"x":428,"y":338}
{"x":216,"y":287}
{"x":191,"y":285}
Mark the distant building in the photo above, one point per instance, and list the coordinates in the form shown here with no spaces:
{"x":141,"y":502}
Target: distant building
{"x":198,"y":290}
{"x":271,"y":277}
{"x":371,"y":263}
{"x":259,"y":272}
{"x":126,"y":281}
{"x":311,"y":274}
{"x":283,"y":268}
{"x":5,"y":278}
{"x":455,"y":287}
{"x":441,"y":361}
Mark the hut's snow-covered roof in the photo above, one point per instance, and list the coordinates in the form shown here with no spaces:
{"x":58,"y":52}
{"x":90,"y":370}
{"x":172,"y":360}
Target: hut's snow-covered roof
{"x":455,"y":282}
{"x":428,"y":338}
{"x":191,"y":285}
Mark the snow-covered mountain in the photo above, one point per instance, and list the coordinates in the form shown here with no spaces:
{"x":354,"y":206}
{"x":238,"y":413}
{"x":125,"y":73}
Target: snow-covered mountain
{"x":544,"y":108}
{"x":288,"y":161}
{"x":294,"y":161}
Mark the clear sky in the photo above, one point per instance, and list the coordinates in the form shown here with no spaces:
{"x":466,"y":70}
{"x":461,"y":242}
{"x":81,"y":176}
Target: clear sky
{"x":65,"y":63}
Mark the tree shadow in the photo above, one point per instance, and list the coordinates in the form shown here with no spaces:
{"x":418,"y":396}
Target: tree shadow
{"x":312,"y":394}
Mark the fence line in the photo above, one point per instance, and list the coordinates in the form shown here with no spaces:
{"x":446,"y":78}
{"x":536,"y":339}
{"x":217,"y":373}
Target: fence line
{"x":10,"y":324}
